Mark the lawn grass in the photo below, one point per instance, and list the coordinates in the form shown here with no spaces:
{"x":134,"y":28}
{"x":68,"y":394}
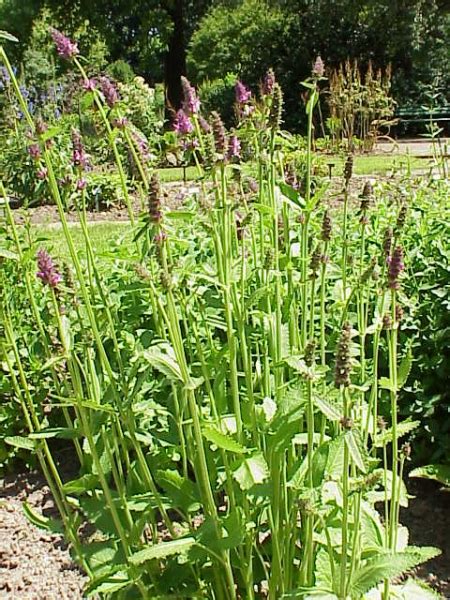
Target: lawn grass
{"x":373,"y":164}
{"x":378,"y":164}
{"x":103,"y":237}
{"x":169,"y":175}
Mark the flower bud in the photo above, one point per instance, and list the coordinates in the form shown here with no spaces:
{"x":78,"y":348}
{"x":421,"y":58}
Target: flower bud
{"x":395,"y":267}
{"x":154,"y":200}
{"x":348,"y":169}
{"x":326,"y":227}
{"x":276,"y":108}
{"x":219,"y":133}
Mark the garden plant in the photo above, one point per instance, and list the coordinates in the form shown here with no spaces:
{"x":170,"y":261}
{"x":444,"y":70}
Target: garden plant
{"x":228,"y":387}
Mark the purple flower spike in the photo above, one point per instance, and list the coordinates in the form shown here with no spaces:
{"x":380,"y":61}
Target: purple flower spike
{"x":243,"y":94}
{"x":47,"y":271}
{"x":191,"y":103}
{"x":79,"y":157}
{"x":182,"y":124}
{"x":318,"y":68}
{"x":64,"y":47}
{"x":234,"y":147}
{"x":268,"y":83}
{"x":109,"y":91}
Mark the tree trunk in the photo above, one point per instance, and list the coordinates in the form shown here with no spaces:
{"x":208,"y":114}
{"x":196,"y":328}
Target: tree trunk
{"x":175,"y":61}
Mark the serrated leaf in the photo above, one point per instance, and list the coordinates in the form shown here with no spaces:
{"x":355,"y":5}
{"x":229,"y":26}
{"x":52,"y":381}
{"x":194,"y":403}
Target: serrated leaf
{"x":335,"y":458}
{"x":330,"y":410}
{"x":439,"y":473}
{"x":103,"y":557}
{"x":251,"y":471}
{"x":386,"y":566}
{"x":404,"y":369}
{"x":386,"y":436}
{"x":162,"y":550}
{"x":219,"y":439}
{"x":356,"y":449}
{"x":296,"y":481}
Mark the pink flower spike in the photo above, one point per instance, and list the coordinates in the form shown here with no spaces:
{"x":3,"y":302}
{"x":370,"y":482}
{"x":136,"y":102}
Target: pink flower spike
{"x":64,"y":46}
{"x":243,"y":94}
{"x":89,"y":85}
{"x":47,"y":271}
{"x":182,"y":124}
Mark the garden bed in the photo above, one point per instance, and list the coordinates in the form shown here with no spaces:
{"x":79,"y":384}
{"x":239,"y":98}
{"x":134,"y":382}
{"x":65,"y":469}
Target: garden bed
{"x":37,"y":565}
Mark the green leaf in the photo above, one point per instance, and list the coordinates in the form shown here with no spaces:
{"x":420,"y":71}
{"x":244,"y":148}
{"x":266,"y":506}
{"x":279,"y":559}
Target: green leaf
{"x":386,"y":566}
{"x":162,"y":357}
{"x":219,"y":439}
{"x":335,"y":458}
{"x":4,"y":253}
{"x":304,"y":593}
{"x":103,"y":557}
{"x":372,"y":529}
{"x":292,"y":194}
{"x":108,"y":584}
{"x":385,"y":383}
{"x":81,"y":485}
{"x":17,"y":441}
{"x":63,"y":433}
{"x":404,"y":369}
{"x":38,"y":520}
{"x":330,"y":410}
{"x":439,"y":473}
{"x":357,"y":451}
{"x":4,"y":35}
{"x":251,"y":471}
{"x":296,"y":481}
{"x":87,"y":101}
{"x":182,"y":491}
{"x":162,"y":550}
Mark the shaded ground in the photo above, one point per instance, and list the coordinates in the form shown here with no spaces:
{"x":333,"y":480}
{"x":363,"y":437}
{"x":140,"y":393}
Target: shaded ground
{"x":35,"y":565}
{"x":428,"y":521}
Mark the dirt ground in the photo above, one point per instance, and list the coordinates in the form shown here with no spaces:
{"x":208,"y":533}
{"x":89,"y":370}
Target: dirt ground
{"x":34,"y":564}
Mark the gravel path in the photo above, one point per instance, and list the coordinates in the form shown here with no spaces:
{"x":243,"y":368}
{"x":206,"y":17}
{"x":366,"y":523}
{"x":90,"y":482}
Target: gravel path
{"x":34,"y":564}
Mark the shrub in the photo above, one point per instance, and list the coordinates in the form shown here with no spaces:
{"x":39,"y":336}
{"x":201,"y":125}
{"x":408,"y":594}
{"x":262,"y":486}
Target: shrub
{"x":219,"y":95}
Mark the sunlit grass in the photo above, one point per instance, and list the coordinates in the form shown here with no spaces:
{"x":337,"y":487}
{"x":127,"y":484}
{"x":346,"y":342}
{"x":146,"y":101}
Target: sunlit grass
{"x":104,"y":237}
